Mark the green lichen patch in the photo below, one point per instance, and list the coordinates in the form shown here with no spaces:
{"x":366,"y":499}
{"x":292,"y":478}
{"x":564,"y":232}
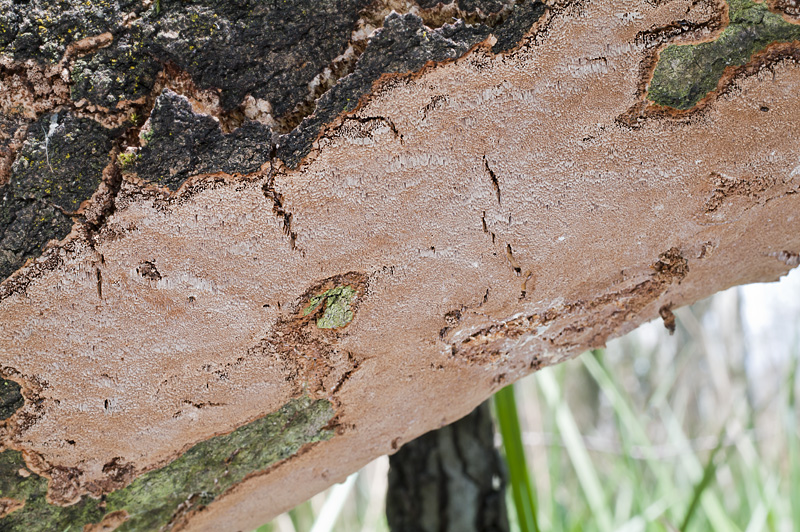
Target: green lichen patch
{"x":126,"y":160}
{"x":17,"y":483}
{"x":59,"y":166}
{"x":191,"y":481}
{"x":314,"y":303}
{"x":337,"y":311}
{"x":11,"y":399}
{"x":685,"y":74}
{"x":16,"y":486}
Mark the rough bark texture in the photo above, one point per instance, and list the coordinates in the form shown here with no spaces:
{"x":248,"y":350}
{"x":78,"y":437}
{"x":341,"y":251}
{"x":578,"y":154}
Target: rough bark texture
{"x":449,"y":480}
{"x":213,"y":212}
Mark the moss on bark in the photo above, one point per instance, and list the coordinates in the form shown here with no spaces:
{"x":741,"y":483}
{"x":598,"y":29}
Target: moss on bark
{"x":337,"y":311}
{"x":155,"y":499}
{"x":10,"y":398}
{"x":685,"y":74}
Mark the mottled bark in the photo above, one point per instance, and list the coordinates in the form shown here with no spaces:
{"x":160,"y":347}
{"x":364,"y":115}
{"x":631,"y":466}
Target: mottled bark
{"x":337,"y":225}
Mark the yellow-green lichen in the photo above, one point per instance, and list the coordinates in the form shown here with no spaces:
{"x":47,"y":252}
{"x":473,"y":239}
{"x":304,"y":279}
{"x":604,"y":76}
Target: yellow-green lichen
{"x":191,"y":481}
{"x":126,"y":160}
{"x":337,"y":311}
{"x":685,"y":74}
{"x":146,"y":136}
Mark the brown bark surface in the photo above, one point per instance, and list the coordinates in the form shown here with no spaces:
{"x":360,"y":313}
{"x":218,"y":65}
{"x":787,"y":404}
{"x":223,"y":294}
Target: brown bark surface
{"x":493,"y":214}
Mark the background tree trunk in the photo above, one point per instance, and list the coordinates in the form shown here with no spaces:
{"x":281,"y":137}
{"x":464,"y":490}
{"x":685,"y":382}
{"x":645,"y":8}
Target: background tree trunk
{"x":450,"y":479}
{"x":246,"y":247}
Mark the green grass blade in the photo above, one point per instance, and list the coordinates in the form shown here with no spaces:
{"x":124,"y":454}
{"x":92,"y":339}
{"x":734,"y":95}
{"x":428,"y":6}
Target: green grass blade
{"x":708,"y":474}
{"x":759,"y":516}
{"x":558,"y":513}
{"x":691,"y":465}
{"x":631,"y":422}
{"x":793,"y":441}
{"x":521,"y":487}
{"x":573,"y":441}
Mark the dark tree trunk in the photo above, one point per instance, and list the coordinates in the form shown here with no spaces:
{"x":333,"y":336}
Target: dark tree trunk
{"x":449,"y":480}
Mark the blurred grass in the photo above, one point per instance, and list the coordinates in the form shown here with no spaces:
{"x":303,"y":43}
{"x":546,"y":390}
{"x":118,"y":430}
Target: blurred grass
{"x":691,"y":432}
{"x":362,"y":510}
{"x":680,"y":438}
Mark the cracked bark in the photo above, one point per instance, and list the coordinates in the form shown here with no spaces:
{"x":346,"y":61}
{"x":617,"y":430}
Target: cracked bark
{"x":360,"y":224}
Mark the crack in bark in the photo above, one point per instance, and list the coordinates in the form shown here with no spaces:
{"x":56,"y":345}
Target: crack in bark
{"x":486,"y":228}
{"x":493,"y":177}
{"x":276,"y":198}
{"x":514,"y":264}
{"x":368,"y":120}
{"x":354,"y":365}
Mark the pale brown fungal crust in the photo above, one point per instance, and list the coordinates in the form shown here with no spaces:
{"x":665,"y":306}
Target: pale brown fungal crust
{"x":466,"y":278}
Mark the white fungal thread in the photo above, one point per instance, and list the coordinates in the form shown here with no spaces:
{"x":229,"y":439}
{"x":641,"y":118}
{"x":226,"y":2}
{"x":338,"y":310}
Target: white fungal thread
{"x":47,"y":135}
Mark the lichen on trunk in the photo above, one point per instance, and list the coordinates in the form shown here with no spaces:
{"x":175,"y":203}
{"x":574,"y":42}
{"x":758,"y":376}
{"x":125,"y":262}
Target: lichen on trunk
{"x":163,"y":496}
{"x":685,"y":74}
{"x":396,"y":213}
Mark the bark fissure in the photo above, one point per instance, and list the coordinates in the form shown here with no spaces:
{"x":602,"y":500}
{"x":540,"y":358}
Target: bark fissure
{"x":493,"y":178}
{"x":566,"y":325}
{"x":275,"y":197}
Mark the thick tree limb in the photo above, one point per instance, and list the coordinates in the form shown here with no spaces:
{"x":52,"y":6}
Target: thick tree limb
{"x":373,"y":232}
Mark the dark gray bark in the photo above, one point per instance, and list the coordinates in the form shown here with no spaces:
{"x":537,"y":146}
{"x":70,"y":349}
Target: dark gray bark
{"x":235,"y":50}
{"x":449,"y":480}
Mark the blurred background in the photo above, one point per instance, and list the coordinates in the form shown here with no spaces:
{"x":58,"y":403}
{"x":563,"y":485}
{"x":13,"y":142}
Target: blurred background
{"x":694,"y":431}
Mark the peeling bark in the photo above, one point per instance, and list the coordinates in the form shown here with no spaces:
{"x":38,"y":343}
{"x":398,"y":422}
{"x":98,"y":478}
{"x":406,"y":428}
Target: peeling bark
{"x":392,"y":208}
